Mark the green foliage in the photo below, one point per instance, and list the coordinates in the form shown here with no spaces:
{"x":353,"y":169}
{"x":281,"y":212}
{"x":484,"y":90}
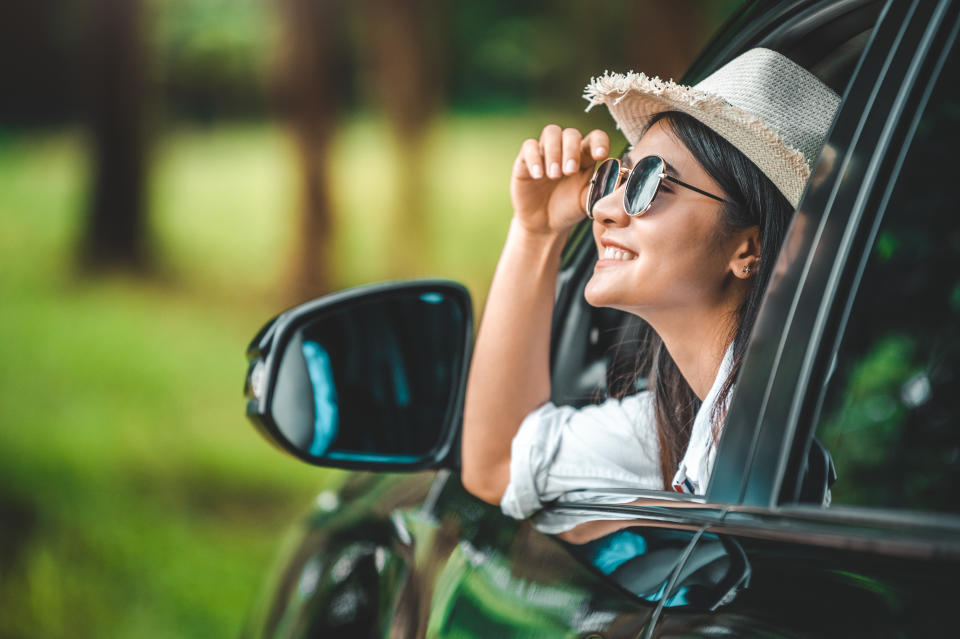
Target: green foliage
{"x":868,"y":425}
{"x":135,"y":498}
{"x":211,"y":56}
{"x":208,"y":59}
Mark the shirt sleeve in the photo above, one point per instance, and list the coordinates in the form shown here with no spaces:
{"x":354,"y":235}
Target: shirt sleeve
{"x":562,"y":449}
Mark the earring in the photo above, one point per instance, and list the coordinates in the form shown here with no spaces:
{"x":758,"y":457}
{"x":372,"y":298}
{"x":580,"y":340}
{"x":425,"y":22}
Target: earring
{"x":746,"y":269}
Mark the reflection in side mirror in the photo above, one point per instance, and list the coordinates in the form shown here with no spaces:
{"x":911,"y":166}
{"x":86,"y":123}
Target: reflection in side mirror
{"x":643,"y":560}
{"x":367,"y":378}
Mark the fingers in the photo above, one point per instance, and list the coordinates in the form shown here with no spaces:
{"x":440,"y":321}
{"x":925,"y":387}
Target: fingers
{"x":560,"y":152}
{"x":551,"y":143}
{"x":595,"y":147}
{"x":529,"y":162}
{"x":571,"y":151}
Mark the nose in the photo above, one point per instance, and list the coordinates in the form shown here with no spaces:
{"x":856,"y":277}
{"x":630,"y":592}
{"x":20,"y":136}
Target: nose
{"x":609,"y":209}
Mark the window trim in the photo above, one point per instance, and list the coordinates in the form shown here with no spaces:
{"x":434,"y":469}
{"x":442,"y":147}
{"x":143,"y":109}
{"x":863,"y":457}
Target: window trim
{"x":781,"y":358}
{"x":889,"y":532}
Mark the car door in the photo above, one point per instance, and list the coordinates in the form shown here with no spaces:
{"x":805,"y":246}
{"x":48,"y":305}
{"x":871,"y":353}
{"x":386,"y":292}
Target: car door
{"x":861,"y":335}
{"x":828,"y":38}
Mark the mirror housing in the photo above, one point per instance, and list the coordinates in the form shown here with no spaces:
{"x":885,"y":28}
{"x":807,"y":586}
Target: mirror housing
{"x":370,"y":378}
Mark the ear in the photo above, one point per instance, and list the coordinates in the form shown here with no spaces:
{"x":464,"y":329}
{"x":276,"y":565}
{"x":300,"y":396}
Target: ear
{"x":746,"y":253}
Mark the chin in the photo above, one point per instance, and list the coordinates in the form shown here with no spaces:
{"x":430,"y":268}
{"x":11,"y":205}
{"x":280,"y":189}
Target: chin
{"x":603,"y":293}
{"x":595,"y":295}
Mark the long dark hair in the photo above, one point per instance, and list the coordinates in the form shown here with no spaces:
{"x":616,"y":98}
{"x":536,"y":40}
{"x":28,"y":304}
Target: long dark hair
{"x":753,"y":200}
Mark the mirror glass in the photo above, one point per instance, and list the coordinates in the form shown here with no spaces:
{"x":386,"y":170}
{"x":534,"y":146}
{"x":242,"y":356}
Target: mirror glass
{"x":372,"y":381}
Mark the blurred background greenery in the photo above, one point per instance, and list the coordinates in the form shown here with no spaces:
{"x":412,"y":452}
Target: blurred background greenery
{"x":175,"y":172}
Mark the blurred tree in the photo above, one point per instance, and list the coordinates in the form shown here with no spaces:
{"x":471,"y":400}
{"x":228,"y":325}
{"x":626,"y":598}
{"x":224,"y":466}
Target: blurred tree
{"x":671,"y":47}
{"x":38,"y":43}
{"x":402,"y":52}
{"x":114,"y":235}
{"x":407,"y":41}
{"x":211,"y":58}
{"x":309,"y":60}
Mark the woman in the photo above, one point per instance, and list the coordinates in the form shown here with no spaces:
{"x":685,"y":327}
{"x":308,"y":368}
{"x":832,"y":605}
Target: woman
{"x":687,"y":242}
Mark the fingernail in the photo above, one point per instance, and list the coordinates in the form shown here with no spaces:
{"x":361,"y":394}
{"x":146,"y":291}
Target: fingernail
{"x":571,"y":166}
{"x":554,"y":170}
{"x":599,"y":152}
{"x":536,"y":171}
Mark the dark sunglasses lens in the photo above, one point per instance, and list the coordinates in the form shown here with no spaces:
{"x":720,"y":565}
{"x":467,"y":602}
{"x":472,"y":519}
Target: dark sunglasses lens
{"x":642,"y":185}
{"x":604,"y":182}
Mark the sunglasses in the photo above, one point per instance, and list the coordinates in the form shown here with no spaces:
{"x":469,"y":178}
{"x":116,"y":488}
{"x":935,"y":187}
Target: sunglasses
{"x":643,"y":183}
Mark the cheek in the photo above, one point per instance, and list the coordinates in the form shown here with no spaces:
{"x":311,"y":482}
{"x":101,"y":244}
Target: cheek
{"x":678,"y":250}
{"x":682,"y":262}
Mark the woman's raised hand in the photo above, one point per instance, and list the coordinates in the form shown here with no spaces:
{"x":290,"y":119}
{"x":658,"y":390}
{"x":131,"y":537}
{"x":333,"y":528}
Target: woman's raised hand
{"x":510,"y":373}
{"x":551,"y":175}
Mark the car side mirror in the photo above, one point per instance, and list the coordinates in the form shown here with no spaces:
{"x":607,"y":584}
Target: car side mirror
{"x":369,"y":378}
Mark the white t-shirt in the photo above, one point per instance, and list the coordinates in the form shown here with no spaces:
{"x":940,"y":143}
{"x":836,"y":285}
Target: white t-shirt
{"x":613,"y":445}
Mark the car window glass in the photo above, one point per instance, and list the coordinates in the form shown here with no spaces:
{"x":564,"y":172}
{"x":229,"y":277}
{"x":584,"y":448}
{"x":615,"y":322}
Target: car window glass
{"x":889,"y":418}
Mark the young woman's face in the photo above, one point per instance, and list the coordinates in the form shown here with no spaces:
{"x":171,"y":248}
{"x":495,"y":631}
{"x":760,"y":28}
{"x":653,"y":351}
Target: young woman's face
{"x":675,"y":256}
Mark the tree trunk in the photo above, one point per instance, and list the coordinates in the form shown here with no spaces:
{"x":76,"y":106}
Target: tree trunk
{"x":116,"y":219}
{"x":309,"y":99}
{"x":667,"y":48}
{"x":407,"y":54}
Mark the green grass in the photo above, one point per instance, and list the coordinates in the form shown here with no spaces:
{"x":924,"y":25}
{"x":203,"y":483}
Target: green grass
{"x":135,"y":499}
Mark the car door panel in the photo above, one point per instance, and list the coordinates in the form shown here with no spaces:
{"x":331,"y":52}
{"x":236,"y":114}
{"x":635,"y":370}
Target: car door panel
{"x":503,"y":578}
{"x":813,"y":577}
{"x":439,"y":564}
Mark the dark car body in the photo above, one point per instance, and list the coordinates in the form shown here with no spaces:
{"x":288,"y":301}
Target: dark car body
{"x":764,"y":553}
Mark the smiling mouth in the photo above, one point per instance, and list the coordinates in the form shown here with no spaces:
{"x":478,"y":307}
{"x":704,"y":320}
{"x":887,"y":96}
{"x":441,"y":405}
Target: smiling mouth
{"x":614,"y":253}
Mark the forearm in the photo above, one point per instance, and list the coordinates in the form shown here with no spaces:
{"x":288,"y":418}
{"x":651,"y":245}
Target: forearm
{"x":510,"y":372}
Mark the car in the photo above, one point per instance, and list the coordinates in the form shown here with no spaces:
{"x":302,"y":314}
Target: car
{"x":834,"y":505}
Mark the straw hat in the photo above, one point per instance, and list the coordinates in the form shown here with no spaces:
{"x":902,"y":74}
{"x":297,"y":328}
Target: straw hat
{"x":772,"y":109}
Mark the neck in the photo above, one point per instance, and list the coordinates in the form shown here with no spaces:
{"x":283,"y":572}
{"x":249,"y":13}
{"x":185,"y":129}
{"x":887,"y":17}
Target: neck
{"x":697,"y":341}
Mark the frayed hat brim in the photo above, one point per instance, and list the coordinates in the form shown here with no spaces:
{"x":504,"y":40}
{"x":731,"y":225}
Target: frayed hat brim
{"x":633,"y":98}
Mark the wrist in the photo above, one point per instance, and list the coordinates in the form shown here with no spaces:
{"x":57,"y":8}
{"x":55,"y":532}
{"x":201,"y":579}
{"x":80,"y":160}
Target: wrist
{"x":537,"y":238}
{"x":533,"y":252}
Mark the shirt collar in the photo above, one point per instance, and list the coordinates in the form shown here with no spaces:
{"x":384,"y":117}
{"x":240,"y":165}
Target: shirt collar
{"x":698,"y":460}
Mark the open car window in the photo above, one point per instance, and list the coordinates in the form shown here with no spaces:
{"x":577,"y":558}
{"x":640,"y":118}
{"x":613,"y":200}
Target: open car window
{"x":596,"y":352}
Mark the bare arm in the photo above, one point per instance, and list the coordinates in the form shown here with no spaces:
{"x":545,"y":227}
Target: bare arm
{"x":510,"y":372}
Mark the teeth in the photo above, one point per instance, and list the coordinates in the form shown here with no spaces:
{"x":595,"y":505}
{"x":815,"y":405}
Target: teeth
{"x":612,"y":253}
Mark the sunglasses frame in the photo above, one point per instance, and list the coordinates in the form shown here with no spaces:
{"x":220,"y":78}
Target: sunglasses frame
{"x":661,"y":176}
